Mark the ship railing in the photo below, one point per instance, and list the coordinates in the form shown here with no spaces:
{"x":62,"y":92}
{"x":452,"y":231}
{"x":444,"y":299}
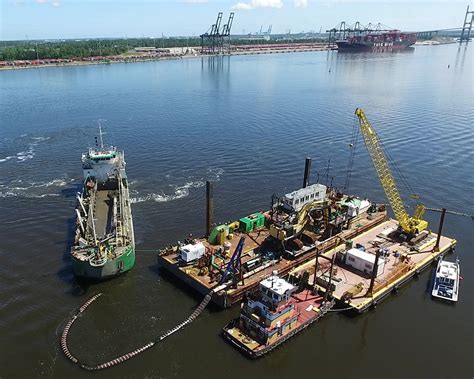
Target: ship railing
{"x":91,"y":215}
{"x":97,"y":262}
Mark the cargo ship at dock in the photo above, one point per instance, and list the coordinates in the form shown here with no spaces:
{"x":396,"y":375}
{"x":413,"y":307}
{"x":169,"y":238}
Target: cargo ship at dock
{"x":298,"y":225}
{"x":376,"y":41}
{"x":104,"y":243}
{"x":272,"y":314}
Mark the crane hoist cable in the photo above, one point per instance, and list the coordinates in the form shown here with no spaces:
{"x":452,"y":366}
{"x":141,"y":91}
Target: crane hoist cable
{"x":409,"y":224}
{"x":353,"y":148}
{"x":396,"y":167}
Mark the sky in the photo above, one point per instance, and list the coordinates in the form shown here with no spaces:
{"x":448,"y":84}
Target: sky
{"x":65,"y":19}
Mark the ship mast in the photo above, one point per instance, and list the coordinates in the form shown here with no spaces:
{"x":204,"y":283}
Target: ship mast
{"x":100,"y":134}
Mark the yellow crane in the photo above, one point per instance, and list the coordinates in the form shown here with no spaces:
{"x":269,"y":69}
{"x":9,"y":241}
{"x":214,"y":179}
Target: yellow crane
{"x":411,"y":225}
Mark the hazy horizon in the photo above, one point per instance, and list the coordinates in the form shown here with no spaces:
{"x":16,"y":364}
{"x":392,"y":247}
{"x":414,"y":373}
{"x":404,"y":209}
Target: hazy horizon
{"x":71,"y":19}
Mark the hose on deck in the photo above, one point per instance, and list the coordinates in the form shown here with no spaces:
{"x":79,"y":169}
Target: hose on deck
{"x":133,"y":353}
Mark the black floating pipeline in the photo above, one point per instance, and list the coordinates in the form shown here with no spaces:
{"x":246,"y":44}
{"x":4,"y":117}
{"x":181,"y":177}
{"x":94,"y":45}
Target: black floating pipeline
{"x":133,"y":353}
{"x":450,"y":212}
{"x":456,"y":213}
{"x":64,"y":346}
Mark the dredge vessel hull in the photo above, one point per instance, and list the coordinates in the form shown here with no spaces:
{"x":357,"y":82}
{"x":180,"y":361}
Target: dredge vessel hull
{"x":104,"y":243}
{"x":110,"y":269}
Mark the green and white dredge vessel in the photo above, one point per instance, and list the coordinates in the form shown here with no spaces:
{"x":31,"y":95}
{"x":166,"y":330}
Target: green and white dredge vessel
{"x":104,"y":243}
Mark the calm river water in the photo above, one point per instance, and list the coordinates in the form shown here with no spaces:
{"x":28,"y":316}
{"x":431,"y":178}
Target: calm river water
{"x":246,"y":122}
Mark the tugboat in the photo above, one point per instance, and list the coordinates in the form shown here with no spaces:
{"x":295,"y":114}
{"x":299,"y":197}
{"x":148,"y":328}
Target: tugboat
{"x":104,"y":244}
{"x":273,"y":314}
{"x":446,"y":283}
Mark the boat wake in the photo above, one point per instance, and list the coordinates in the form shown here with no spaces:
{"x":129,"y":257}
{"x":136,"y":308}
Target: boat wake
{"x":27,"y":153}
{"x":178,"y":191}
{"x":30,"y":189}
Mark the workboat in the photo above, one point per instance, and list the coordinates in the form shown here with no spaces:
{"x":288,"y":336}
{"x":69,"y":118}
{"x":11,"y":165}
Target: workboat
{"x":104,"y":243}
{"x":272,"y":314}
{"x":446,"y":282}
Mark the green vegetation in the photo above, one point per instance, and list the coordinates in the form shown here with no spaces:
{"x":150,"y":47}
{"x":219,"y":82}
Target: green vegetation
{"x":23,"y":50}
{"x":30,"y":50}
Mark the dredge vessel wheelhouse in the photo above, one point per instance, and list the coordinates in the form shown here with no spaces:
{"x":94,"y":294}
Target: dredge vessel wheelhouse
{"x":274,"y":313}
{"x":104,"y":244}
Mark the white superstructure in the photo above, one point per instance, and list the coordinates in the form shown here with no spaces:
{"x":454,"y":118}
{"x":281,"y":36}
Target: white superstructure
{"x":446,"y":283}
{"x":297,"y":199}
{"x":274,"y":292}
{"x":276,"y":287}
{"x":102,"y":162}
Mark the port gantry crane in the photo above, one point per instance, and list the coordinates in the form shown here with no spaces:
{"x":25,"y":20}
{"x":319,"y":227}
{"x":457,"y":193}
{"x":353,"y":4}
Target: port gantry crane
{"x":410,"y":225}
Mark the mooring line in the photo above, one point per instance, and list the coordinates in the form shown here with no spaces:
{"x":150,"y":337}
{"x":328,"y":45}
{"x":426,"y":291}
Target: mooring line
{"x":133,"y":353}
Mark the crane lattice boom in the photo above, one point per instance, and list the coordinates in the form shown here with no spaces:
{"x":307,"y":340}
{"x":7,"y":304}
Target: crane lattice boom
{"x":409,"y":224}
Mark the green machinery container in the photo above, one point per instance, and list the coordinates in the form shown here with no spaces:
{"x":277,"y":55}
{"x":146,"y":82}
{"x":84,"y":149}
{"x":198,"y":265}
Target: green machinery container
{"x":349,"y":244}
{"x":245,"y":224}
{"x":249,"y":223}
{"x":218,"y":235}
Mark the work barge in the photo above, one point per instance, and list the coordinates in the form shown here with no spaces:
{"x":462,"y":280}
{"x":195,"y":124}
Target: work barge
{"x":368,"y":268}
{"x":344,"y":246}
{"x":299,"y":225}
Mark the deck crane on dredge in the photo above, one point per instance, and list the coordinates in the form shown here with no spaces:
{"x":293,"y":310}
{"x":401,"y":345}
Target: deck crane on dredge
{"x":409,"y":225}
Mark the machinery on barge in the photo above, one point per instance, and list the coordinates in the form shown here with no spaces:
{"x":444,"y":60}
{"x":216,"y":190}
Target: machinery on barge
{"x":310,"y":219}
{"x":373,"y":264}
{"x":104,"y":243}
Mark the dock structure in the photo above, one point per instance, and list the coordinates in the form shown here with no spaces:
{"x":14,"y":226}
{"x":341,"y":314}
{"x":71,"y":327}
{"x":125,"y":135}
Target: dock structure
{"x":394,"y":262}
{"x":203,"y":280}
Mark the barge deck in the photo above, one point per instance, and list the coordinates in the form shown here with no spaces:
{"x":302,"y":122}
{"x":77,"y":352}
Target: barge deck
{"x":401,"y":262}
{"x":204,"y":282}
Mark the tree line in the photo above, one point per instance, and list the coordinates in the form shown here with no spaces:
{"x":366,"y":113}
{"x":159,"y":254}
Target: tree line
{"x":68,"y":49}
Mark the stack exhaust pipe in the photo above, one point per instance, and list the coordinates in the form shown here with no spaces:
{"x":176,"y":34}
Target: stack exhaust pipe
{"x":307,"y":172}
{"x":209,"y":207}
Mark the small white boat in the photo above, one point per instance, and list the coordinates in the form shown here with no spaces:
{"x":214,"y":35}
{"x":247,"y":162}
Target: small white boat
{"x":446,"y":282}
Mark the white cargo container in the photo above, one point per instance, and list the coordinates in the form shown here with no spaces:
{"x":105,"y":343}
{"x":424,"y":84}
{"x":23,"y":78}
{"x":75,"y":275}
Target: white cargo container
{"x":356,"y":206}
{"x":189,"y":253}
{"x":297,"y":199}
{"x":363,"y":261}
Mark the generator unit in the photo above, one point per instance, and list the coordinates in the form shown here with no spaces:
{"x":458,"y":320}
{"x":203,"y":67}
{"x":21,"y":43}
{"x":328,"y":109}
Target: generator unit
{"x":191,"y":252}
{"x":364,"y":261}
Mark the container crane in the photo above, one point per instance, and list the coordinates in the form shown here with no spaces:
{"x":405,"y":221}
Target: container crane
{"x":410,"y":225}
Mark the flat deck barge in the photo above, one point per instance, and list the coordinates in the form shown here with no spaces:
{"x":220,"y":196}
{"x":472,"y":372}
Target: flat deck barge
{"x":399,"y":263}
{"x":204,"y":281}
